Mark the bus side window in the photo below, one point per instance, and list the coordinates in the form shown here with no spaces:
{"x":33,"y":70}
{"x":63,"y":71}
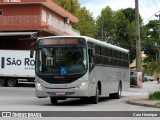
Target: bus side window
{"x":91,"y":59}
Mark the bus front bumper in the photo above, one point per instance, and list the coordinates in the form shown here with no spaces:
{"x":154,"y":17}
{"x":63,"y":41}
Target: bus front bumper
{"x":80,"y":91}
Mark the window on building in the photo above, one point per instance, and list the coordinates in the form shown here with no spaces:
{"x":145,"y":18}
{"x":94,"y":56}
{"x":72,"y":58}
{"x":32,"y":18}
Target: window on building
{"x":1,"y":12}
{"x":50,"y":19}
{"x":44,"y":16}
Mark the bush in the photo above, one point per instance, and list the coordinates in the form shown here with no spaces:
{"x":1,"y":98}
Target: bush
{"x":158,"y":104}
{"x":154,"y":96}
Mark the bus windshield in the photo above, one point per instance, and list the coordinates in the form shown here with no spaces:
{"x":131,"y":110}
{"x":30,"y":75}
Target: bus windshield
{"x":63,"y":60}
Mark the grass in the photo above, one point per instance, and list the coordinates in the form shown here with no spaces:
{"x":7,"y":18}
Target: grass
{"x":155,"y":96}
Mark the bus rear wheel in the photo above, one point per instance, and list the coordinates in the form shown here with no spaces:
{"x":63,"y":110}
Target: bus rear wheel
{"x":53,"y":100}
{"x":12,"y":82}
{"x":117,"y":95}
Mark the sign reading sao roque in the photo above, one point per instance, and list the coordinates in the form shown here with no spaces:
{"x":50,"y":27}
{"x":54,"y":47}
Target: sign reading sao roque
{"x":12,"y":0}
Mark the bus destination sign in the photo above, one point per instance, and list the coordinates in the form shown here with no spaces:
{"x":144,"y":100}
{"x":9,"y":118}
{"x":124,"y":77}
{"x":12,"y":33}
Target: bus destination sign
{"x":59,"y":41}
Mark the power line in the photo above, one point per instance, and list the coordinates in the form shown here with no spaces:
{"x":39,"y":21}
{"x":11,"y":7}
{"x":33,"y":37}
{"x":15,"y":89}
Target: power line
{"x":143,"y":10}
{"x":155,"y":3}
{"x":150,"y":17}
{"x":146,"y":6}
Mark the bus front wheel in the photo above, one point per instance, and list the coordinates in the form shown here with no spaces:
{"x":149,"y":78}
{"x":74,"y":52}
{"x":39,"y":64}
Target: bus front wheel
{"x":95,"y":98}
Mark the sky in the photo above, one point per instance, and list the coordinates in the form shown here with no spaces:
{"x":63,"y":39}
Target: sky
{"x":147,"y":8}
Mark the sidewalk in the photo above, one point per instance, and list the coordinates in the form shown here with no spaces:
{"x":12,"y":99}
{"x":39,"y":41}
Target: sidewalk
{"x":144,"y":102}
{"x":142,"y":94}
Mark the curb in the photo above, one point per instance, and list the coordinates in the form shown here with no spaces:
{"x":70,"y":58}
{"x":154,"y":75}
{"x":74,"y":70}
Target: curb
{"x":132,"y":102}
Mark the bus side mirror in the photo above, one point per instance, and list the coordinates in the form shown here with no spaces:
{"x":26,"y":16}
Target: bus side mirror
{"x":31,"y":53}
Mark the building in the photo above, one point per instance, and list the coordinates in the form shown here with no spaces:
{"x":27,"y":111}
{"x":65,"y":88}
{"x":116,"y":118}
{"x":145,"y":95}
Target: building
{"x":133,"y":64}
{"x":21,"y":19}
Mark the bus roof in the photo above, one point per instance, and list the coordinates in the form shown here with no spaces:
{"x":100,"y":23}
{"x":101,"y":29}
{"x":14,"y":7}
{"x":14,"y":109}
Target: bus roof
{"x":102,"y":43}
{"x":92,"y":40}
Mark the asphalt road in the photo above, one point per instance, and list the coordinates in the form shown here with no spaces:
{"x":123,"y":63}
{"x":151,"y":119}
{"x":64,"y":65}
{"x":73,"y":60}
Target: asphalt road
{"x":23,"y":99}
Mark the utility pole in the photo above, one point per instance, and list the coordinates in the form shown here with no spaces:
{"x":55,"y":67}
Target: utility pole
{"x":158,"y":44}
{"x":159,"y":35}
{"x":138,"y":46}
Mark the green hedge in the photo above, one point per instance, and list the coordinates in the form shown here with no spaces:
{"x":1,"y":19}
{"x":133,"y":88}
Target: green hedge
{"x":154,"y":96}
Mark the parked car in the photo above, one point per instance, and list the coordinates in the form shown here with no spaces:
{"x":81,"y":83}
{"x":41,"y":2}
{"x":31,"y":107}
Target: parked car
{"x":145,"y":78}
{"x":150,"y":78}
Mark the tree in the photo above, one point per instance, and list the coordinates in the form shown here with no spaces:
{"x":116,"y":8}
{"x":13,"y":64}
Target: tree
{"x":86,"y":24}
{"x":150,"y":40}
{"x":129,"y":14}
{"x":70,"y":5}
{"x":152,"y":68}
{"x":105,"y":25}
{"x":125,"y":30}
{"x":122,"y":28}
{"x":118,"y":27}
{"x":130,"y":32}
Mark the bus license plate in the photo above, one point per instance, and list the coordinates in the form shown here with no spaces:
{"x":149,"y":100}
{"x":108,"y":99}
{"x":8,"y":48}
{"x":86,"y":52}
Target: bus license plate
{"x":60,"y":93}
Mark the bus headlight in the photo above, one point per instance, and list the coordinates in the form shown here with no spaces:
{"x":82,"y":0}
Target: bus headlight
{"x":39,"y":86}
{"x":82,"y":85}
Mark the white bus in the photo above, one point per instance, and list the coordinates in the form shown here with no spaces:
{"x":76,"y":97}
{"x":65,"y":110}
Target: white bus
{"x":80,"y":67}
